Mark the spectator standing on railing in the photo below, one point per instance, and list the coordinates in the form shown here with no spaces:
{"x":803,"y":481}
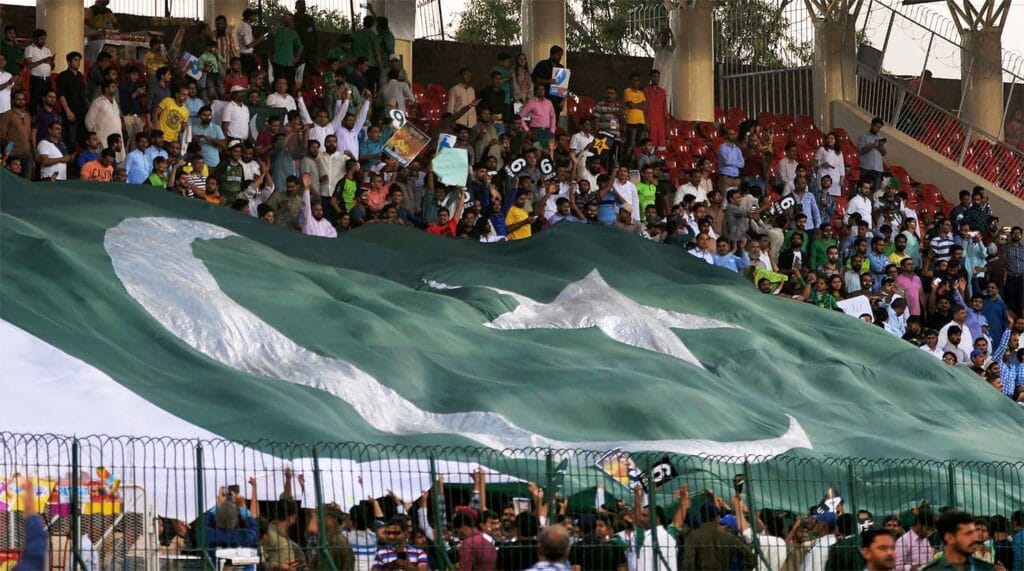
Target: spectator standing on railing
{"x":871,"y":147}
{"x":657,"y":110}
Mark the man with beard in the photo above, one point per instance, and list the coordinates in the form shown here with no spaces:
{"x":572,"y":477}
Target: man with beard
{"x":878,"y":548}
{"x":959,"y":542}
{"x":230,"y":173}
{"x":311,"y":217}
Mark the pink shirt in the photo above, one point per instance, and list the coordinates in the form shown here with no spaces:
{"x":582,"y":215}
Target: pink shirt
{"x":912,"y":551}
{"x":912,"y":285}
{"x":541,"y":113}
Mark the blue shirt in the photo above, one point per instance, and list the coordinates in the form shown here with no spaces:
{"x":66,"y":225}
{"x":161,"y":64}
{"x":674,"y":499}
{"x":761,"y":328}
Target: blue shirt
{"x":211,"y":154}
{"x":154,"y":152}
{"x":878,"y":263}
{"x":809,"y":206}
{"x":138,"y":166}
{"x":86,"y":157}
{"x":193,"y":104}
{"x":731,"y":261}
{"x":730,"y":159}
{"x":33,"y":557}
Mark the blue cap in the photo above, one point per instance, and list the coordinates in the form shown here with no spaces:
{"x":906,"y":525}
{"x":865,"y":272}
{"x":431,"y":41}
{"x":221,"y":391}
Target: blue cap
{"x":730,"y":522}
{"x":827,"y":517}
{"x":977,"y":353}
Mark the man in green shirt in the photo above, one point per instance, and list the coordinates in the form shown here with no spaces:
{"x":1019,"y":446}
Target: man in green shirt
{"x":279,"y":553}
{"x":366,"y":43}
{"x":14,"y":53}
{"x":504,"y":69}
{"x":647,"y":189}
{"x":823,"y":240}
{"x":287,"y":50}
{"x":230,"y":172}
{"x":344,"y":53}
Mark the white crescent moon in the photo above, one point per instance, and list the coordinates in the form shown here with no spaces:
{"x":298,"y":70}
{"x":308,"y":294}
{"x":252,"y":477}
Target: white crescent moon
{"x":179,"y":291}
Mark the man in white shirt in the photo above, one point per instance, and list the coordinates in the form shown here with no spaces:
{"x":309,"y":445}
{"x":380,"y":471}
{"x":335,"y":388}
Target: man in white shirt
{"x":825,"y":528}
{"x":311,"y":217}
{"x":693,"y":187}
{"x":331,"y":165}
{"x":861,"y":203}
{"x":627,"y":190}
{"x":280,"y":98}
{"x":460,"y":95}
{"x":324,"y":126}
{"x":39,"y":61}
{"x":931,"y":344}
{"x":104,"y":116}
{"x":235,"y":118}
{"x":53,"y":157}
{"x":785,"y":170}
{"x":395,"y":93}
{"x":246,"y":41}
{"x":582,"y":138}
{"x":348,"y":132}
{"x":6,"y":82}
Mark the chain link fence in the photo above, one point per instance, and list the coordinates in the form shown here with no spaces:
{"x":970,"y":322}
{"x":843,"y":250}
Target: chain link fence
{"x":149,"y":503}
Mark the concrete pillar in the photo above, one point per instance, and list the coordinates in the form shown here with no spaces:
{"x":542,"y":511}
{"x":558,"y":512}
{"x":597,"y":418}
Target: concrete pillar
{"x":230,"y":9}
{"x":834,"y":73}
{"x":543,"y":26}
{"x":64,"y":22}
{"x":401,"y":15}
{"x":693,"y":61}
{"x":981,"y":30}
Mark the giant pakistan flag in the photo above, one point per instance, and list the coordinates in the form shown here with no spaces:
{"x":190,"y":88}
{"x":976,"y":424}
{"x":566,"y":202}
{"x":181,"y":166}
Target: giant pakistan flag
{"x":179,"y":318}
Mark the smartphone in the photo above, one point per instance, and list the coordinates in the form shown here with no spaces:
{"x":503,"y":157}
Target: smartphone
{"x":9,"y":148}
{"x":737,"y":483}
{"x":883,"y":140}
{"x":402,"y":555}
{"x":233,"y":489}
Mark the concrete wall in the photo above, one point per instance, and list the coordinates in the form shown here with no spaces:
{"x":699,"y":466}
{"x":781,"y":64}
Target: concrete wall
{"x":928,"y":166}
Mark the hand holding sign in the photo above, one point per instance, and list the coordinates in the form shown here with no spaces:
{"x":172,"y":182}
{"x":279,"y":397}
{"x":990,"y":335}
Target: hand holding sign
{"x":451,"y":166}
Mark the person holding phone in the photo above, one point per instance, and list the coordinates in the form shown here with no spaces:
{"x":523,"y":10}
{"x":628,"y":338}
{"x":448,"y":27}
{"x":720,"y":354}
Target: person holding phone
{"x":279,"y":552}
{"x":871,"y":148}
{"x":397,"y":554}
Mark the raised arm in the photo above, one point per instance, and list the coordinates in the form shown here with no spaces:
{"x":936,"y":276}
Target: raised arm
{"x":361,"y":118}
{"x":340,"y":109}
{"x":683,"y":495}
{"x":254,"y":503}
{"x":307,"y":213}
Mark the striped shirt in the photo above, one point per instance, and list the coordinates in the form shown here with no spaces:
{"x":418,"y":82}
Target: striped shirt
{"x":941,"y":246}
{"x":388,"y":555}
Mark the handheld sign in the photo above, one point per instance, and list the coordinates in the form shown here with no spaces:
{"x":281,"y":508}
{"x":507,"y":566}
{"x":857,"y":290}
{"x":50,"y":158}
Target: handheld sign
{"x":451,"y":166}
{"x":661,"y":473}
{"x":397,"y":118}
{"x":547,"y":169}
{"x":559,"y":82}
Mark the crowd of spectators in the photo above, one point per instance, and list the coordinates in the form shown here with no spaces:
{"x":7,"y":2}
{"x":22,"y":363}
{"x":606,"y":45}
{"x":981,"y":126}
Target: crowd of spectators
{"x":703,"y":533}
{"x":821,"y":228}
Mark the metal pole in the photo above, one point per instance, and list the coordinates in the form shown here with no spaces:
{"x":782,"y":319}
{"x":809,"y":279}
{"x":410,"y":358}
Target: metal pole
{"x":351,"y":12}
{"x":1006,"y":111}
{"x":321,"y":520}
{"x":927,"y":54}
{"x":76,"y":516}
{"x":652,"y":513}
{"x":885,"y":44}
{"x":851,"y":475}
{"x":440,"y":18}
{"x":951,"y":476}
{"x":549,"y":467}
{"x":967,"y":144}
{"x":752,"y":520}
{"x":439,"y":523}
{"x":201,"y":510}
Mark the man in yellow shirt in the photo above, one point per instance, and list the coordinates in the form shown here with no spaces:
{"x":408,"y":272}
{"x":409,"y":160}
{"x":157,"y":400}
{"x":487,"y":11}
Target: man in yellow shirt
{"x":635,"y":105}
{"x":517,"y":220}
{"x":171,"y":115}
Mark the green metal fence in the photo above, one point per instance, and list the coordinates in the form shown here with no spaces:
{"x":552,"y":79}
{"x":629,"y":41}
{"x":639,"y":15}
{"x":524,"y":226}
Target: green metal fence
{"x":133,"y":493}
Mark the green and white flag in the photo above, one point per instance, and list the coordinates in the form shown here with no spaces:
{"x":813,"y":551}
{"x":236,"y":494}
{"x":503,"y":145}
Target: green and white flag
{"x":158,"y":315}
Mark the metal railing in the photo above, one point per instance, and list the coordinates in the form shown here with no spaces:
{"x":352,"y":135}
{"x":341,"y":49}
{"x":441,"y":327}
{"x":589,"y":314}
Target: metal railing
{"x":146,"y":502}
{"x":943,"y":132}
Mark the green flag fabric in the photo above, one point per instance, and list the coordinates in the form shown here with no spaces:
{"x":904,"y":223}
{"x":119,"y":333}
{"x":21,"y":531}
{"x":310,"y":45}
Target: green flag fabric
{"x":581,"y":338}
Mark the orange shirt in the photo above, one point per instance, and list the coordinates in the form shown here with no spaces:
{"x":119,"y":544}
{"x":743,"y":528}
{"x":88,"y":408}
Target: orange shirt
{"x":94,"y":170}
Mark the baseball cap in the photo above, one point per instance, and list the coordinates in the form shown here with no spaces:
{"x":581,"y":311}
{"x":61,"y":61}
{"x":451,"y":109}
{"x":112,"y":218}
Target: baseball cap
{"x":395,"y":57}
{"x":827,"y":517}
{"x":977,"y":353}
{"x":237,"y":88}
{"x":235,"y":143}
{"x":730,"y":522}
